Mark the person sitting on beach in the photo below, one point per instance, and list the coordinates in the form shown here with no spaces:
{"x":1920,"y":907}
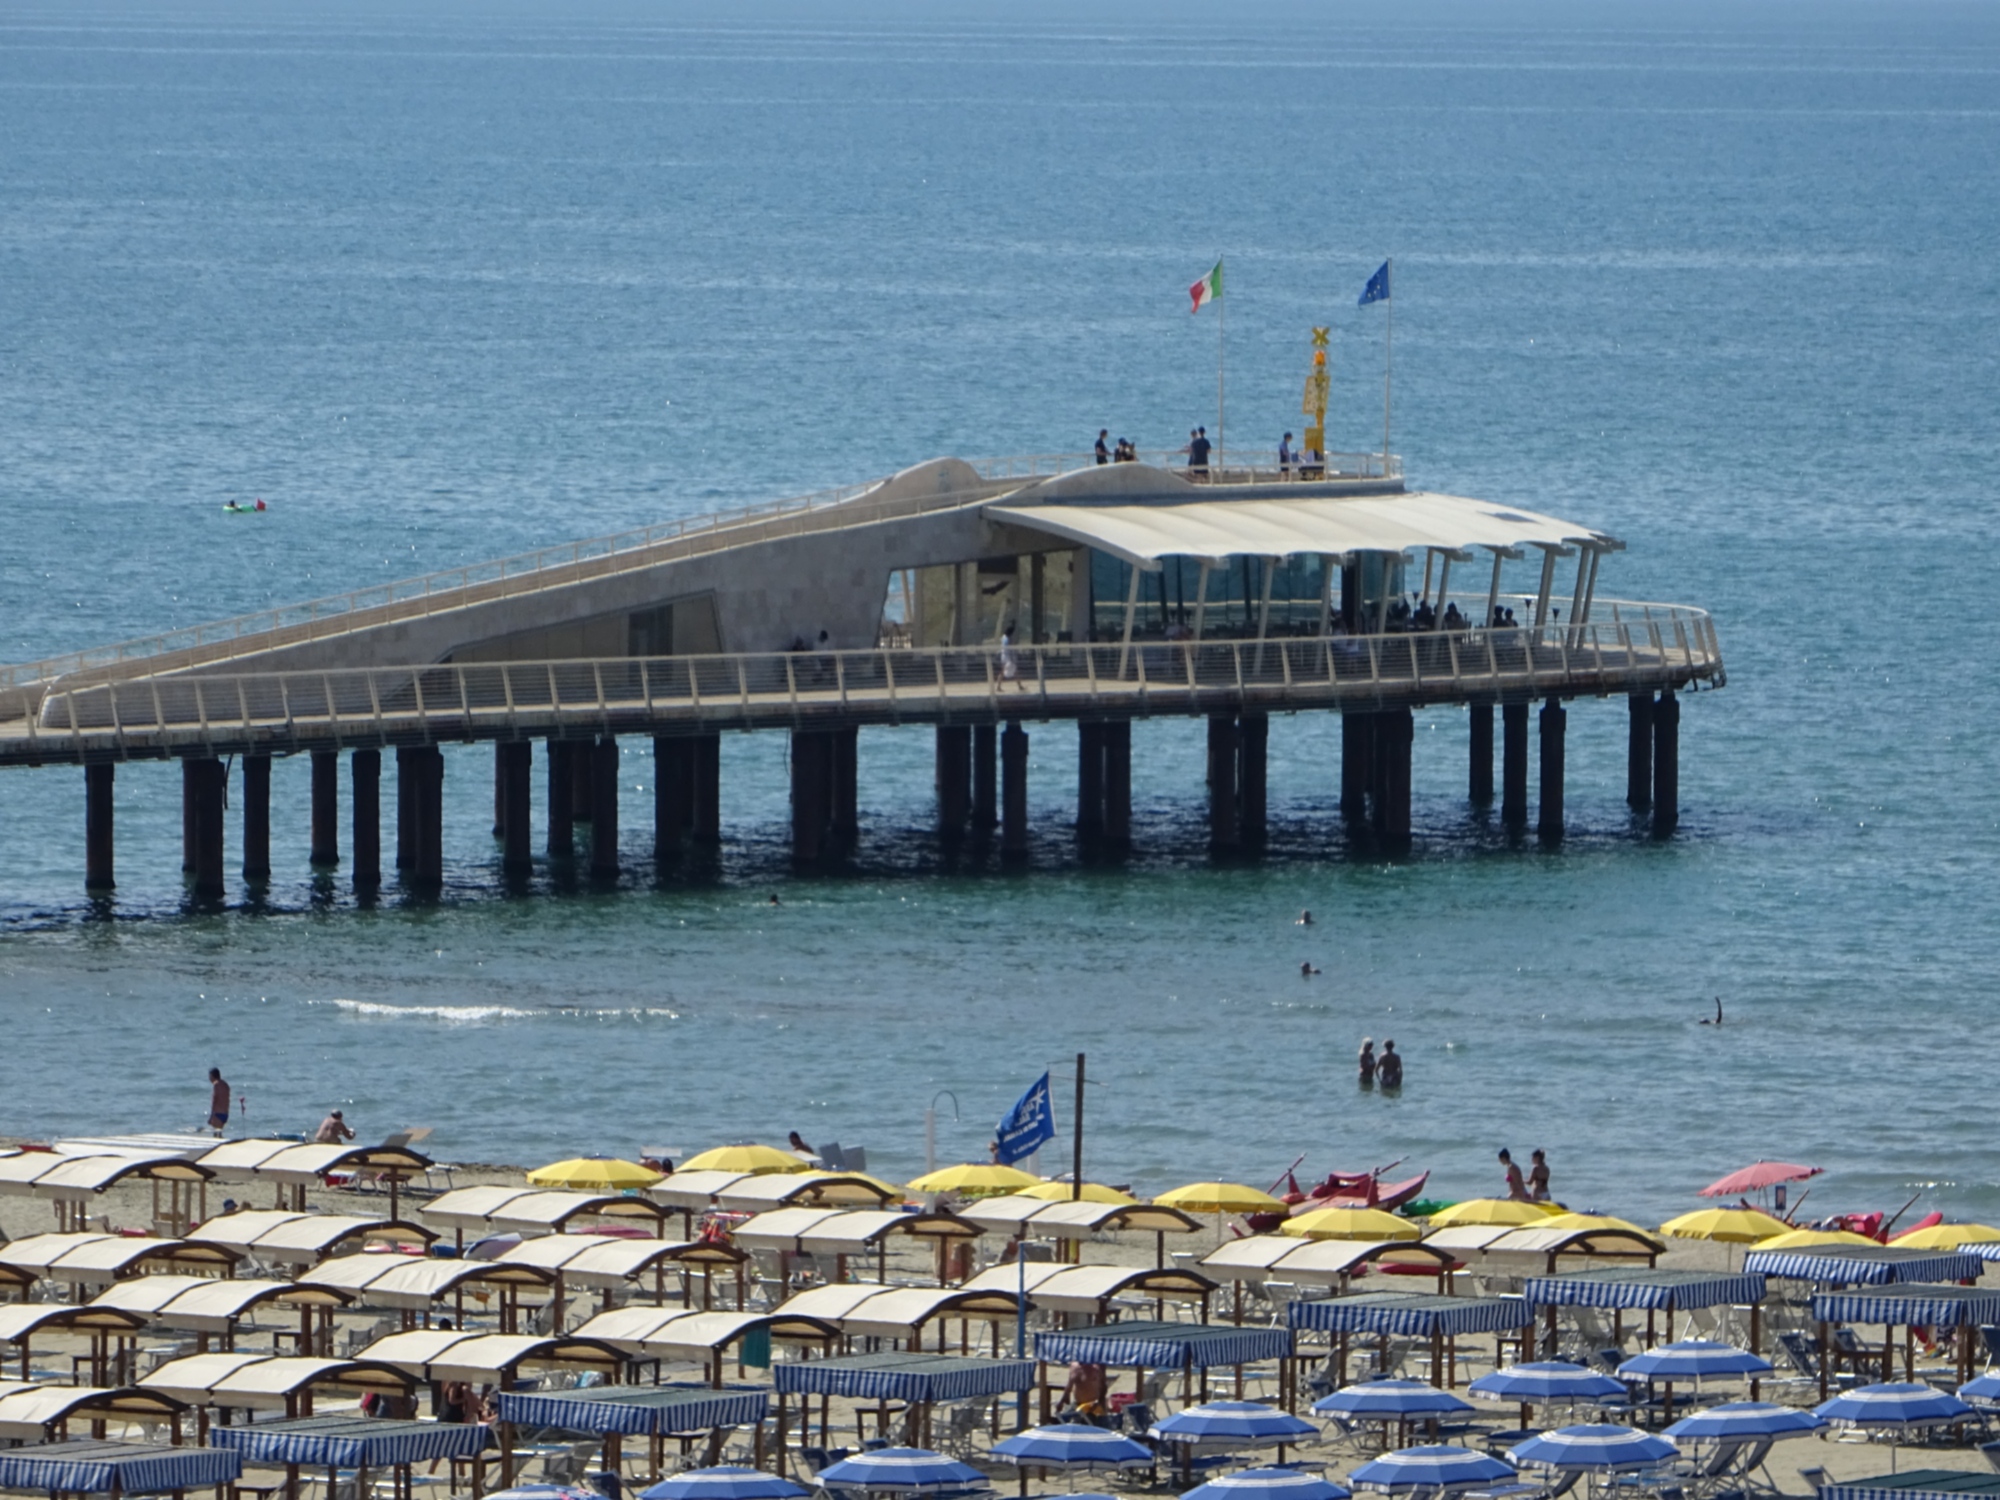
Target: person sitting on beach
{"x":1538,"y":1176}
{"x":1083,"y":1396}
{"x":1517,"y":1190}
{"x":333,"y":1130}
{"x":1367,"y":1062}
{"x":798,"y":1143}
{"x":1389,"y":1066}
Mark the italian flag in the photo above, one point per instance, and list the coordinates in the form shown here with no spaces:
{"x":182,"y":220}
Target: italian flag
{"x":1207,"y":289}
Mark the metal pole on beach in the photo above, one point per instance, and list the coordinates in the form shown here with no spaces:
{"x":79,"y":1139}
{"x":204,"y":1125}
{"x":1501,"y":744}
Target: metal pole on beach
{"x":1076,"y":1145}
{"x":1388,"y":356}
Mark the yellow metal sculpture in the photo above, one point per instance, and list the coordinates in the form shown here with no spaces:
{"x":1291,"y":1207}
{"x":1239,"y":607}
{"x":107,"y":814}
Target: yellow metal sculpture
{"x":1314,"y":404}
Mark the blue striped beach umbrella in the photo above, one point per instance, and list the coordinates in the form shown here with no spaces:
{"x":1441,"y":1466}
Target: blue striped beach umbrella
{"x":544,"y":1492}
{"x":1439,"y":1468}
{"x":725,"y":1482}
{"x":1237,"y":1423}
{"x":1269,"y":1484}
{"x":907,"y":1470}
{"x":1599,"y":1447}
{"x":1735,"y":1421}
{"x":1894,"y":1407}
{"x":1545,"y":1381}
{"x":1693,"y":1359}
{"x":1390,"y":1398}
{"x":1073,"y":1445}
{"x":1985,"y":1389}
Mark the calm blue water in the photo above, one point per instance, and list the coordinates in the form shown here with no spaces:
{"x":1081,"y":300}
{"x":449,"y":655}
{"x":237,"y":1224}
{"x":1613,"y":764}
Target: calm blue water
{"x":441,"y":284}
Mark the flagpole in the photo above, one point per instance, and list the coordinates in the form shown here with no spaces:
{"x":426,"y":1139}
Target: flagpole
{"x":1388,"y":356}
{"x":1221,"y":322}
{"x":1076,"y":1143}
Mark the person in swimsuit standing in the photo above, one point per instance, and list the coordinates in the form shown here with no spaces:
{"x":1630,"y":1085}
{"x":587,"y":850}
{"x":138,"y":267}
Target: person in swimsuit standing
{"x":218,"y":1100}
{"x":1366,"y":1062}
{"x":1517,"y":1190}
{"x":1538,"y":1176}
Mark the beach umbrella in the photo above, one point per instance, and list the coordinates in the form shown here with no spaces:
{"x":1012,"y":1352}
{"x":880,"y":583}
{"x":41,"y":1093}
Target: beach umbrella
{"x":1693,"y":1359}
{"x":1093,"y":1192}
{"x":1590,"y":1221}
{"x":1985,"y":1388}
{"x":1437,"y":1468}
{"x":594,"y":1174}
{"x":1756,"y":1177}
{"x":1390,"y":1398}
{"x":1894,"y":1408}
{"x":1599,"y":1447}
{"x":1947,"y":1237}
{"x":1220,"y":1198}
{"x":975,"y":1179}
{"x":751,"y":1160}
{"x":1807,"y":1239}
{"x":1542,"y":1382}
{"x":1733,"y":1226}
{"x":1498,"y":1212}
{"x":1235,"y":1423}
{"x":727,"y":1482}
{"x":906,"y":1470}
{"x":544,"y":1492}
{"x":1269,"y":1484}
{"x":1349,"y":1224}
{"x":1737,"y":1421}
{"x":1073,"y":1445}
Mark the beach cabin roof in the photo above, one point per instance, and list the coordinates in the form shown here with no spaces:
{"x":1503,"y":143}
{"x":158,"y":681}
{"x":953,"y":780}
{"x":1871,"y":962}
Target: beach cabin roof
{"x":547,"y":1210}
{"x":448,"y":1354}
{"x":412,"y":1281}
{"x":82,"y":1176}
{"x":819,"y":1231}
{"x":304,"y":1237}
{"x":288,"y":1161}
{"x":20,"y":1321}
{"x":591,"y":1259}
{"x":664,"y":1331}
{"x":781,"y":1189}
{"x":1065,"y":1219}
{"x":266,"y":1380}
{"x":1315,"y":1262}
{"x":208,"y":1305}
{"x":904,"y":1375}
{"x":692,"y":1190}
{"x":1091,"y":1289}
{"x":869,"y":1310}
{"x":91,"y":1466}
{"x":106,"y":1257}
{"x":30,"y":1410}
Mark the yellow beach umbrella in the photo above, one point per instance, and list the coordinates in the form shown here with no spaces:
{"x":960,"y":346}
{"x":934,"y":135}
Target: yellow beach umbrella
{"x":1947,"y":1237}
{"x":1093,"y":1192}
{"x":1590,"y":1221}
{"x":752,"y":1161}
{"x":1350,"y":1224}
{"x":593,"y":1174}
{"x":1220,"y":1198}
{"x":975,"y":1179}
{"x":1734,"y":1226}
{"x":1494,"y":1211}
{"x":1806,"y":1239}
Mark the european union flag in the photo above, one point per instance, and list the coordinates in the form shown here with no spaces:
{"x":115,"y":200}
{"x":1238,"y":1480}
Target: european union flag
{"x":1027,"y":1125}
{"x":1377,"y":289}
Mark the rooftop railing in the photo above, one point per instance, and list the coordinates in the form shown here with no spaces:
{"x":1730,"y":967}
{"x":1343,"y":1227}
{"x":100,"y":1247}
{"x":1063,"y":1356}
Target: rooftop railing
{"x":645,"y":546}
{"x":1645,"y":646}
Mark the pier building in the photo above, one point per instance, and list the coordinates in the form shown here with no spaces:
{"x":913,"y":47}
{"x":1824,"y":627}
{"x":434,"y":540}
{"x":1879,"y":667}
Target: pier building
{"x":986,"y":599}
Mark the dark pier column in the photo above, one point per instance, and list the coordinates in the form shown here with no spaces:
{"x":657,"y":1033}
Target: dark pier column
{"x":954,"y":778}
{"x":326,"y":807}
{"x":812,"y":794}
{"x":97,"y":834}
{"x":985,"y":793}
{"x":202,"y":786}
{"x":1514,"y":764}
{"x":1253,"y":739}
{"x":673,"y":794}
{"x":407,"y":798}
{"x":562,"y":822}
{"x":366,"y":769}
{"x":1357,"y":753}
{"x":420,"y":815}
{"x":1666,"y":764}
{"x":1014,"y":791}
{"x":845,"y":822}
{"x":1555,"y":720}
{"x":1395,"y":736}
{"x":706,"y":750}
{"x":257,"y":817}
{"x":603,"y":758}
{"x":500,"y":789}
{"x":582,"y":773}
{"x":1118,"y":783}
{"x":1225,"y":829}
{"x":1639,"y":751}
{"x":188,"y":778}
{"x":1089,"y":780}
{"x":514,"y":766}
{"x":1479,"y":784}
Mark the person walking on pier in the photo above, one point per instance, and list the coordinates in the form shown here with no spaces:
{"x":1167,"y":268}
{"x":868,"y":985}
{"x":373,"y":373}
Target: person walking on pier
{"x":1285,"y":455}
{"x":1010,"y":664}
{"x":218,"y":1101}
{"x":1103,"y":450}
{"x":1197,"y":451}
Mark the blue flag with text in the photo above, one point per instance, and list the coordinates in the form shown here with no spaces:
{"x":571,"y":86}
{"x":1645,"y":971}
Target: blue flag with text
{"x":1027,"y":1125}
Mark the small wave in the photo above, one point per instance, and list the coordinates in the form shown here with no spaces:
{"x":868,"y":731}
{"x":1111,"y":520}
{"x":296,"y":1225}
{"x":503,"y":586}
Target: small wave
{"x":461,"y":1015}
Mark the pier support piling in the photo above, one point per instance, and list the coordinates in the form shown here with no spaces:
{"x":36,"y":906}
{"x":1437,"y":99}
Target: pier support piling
{"x":97,"y":826}
{"x":326,"y":807}
{"x":420,"y":815}
{"x":1554,"y":723}
{"x":1357,"y":747}
{"x":366,"y":770}
{"x":673,"y":795}
{"x":1014,"y":791}
{"x":1224,"y":822}
{"x":705,"y":751}
{"x":257,"y":817}
{"x":954,"y":779}
{"x":1666,"y":764}
{"x":582,"y":773}
{"x":603,"y":759}
{"x":845,"y":820}
{"x":812,"y":795}
{"x":500,"y":789}
{"x":514,"y":767}
{"x":1118,"y":783}
{"x":1089,"y":780}
{"x":188,"y":777}
{"x":562,"y":819}
{"x":1514,"y":764}
{"x":1639,"y":751}
{"x":1253,"y":740}
{"x":1479,"y":783}
{"x":1394,"y":740}
{"x":202,"y":787}
{"x":985,"y":793}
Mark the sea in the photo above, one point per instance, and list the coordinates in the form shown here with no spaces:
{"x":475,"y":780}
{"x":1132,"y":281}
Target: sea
{"x":444,"y":282}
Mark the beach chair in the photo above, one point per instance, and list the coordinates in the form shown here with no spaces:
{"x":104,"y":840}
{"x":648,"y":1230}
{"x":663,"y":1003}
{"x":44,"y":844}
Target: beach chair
{"x":1814,"y":1476}
{"x":1989,"y":1335}
{"x":832,"y":1157}
{"x":1992,"y":1452}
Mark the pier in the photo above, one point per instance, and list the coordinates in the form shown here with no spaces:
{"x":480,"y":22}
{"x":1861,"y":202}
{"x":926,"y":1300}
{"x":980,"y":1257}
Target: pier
{"x":989,"y":601}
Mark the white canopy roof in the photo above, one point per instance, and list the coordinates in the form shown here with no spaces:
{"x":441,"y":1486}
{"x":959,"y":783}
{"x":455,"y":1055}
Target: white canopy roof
{"x":265,"y":1380}
{"x":674,"y":1331}
{"x":1073,"y":1220}
{"x":774,"y":1189}
{"x":593,"y":1260}
{"x":204,"y":1303}
{"x":693,"y":1190}
{"x":38,"y":1252}
{"x":27,"y":1410}
{"x":288,"y":1161}
{"x":1314,"y":1262}
{"x":447,"y":1354}
{"x":471,"y":1207}
{"x":821,"y":1231}
{"x":401,"y":1281}
{"x":1055,"y":1287}
{"x":870,"y":1310}
{"x":306,"y":1237}
{"x":1209,"y":524}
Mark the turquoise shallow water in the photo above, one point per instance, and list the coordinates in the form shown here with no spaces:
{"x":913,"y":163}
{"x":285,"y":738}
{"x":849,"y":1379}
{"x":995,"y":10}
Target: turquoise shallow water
{"x":446,"y":285}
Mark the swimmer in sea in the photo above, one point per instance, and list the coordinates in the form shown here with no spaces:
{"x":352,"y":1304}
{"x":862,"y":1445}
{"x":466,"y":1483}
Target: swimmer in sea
{"x":1305,"y":919}
{"x":1306,"y":970}
{"x":1718,"y":1014}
